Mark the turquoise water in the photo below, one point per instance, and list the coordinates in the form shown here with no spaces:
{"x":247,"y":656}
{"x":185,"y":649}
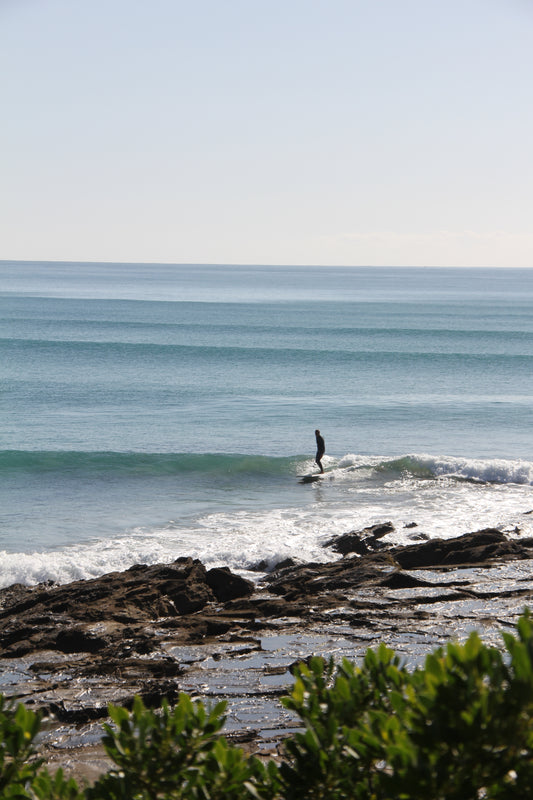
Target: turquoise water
{"x":153,"y":411}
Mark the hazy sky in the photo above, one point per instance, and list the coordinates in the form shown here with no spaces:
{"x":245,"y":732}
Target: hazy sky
{"x":395,"y":132}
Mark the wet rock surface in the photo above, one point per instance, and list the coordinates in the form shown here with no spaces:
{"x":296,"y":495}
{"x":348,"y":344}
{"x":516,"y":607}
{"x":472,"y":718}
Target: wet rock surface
{"x":159,"y":630}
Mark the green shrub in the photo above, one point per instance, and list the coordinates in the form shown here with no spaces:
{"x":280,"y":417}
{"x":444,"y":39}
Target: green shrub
{"x":18,"y":764}
{"x":173,"y":753}
{"x":459,"y":728}
{"x":21,"y":775}
{"x":54,"y":787}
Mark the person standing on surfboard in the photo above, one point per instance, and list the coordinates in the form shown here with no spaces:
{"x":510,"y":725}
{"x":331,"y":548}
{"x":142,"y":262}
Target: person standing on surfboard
{"x":320,"y":449}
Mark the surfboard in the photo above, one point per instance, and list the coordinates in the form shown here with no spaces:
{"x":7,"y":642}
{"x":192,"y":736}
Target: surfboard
{"x":311,"y":478}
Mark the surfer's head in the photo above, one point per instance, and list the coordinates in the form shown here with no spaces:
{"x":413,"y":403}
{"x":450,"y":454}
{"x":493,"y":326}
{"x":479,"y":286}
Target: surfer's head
{"x":317,"y":432}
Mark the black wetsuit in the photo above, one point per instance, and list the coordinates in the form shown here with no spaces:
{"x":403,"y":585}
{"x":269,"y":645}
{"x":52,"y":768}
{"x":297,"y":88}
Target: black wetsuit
{"x":321,"y":449}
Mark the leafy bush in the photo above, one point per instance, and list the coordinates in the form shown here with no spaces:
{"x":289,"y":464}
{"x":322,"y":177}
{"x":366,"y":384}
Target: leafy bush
{"x":18,"y":728}
{"x":172,"y":753}
{"x":20,"y":773}
{"x":461,"y":727}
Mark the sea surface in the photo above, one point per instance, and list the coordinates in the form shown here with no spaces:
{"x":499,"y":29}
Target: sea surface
{"x":155,"y":411}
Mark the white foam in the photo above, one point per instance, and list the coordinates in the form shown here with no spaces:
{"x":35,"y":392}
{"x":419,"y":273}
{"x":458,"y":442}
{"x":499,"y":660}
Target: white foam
{"x":490,"y":470}
{"x":79,"y":563}
{"x":348,"y":499}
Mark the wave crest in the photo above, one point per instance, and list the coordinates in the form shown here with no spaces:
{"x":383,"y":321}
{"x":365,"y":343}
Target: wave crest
{"x":417,"y":466}
{"x":471,"y":469}
{"x":149,"y":464}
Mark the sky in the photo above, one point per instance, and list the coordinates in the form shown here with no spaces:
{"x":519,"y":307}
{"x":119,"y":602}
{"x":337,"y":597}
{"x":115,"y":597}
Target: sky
{"x":320,"y":132}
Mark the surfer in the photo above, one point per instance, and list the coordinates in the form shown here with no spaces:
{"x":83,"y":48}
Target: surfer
{"x":320,"y":449}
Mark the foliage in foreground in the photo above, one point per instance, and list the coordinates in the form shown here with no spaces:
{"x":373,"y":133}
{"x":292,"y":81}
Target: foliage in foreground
{"x":460,"y":727}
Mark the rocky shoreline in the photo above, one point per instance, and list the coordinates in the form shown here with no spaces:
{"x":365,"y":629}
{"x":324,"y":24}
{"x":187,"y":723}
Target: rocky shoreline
{"x":158,"y":630}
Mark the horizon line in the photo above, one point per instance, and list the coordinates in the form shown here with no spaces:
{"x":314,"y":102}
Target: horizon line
{"x":256,"y":264}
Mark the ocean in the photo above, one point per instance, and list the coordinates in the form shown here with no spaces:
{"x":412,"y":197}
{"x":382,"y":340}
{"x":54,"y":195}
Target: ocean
{"x":156,"y":411}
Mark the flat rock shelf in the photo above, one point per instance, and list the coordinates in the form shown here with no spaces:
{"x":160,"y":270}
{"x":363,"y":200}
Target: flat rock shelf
{"x":156,"y":631}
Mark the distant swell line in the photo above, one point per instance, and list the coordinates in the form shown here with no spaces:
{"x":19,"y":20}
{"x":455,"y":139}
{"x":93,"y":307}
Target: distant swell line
{"x":289,"y":355}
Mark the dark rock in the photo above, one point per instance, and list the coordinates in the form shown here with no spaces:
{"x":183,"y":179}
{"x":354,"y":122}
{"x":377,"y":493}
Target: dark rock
{"x":312,"y":580}
{"x":180,"y":597}
{"x":402,"y":580}
{"x":185,"y":602}
{"x":264,"y":566}
{"x":360,"y":542}
{"x":227,"y":586}
{"x":215,"y":626}
{"x":76,"y":640}
{"x":59,"y":617}
{"x":349,"y":543}
{"x":379,"y":530}
{"x":261,"y":566}
{"x":471,"y":548}
{"x":284,"y":563}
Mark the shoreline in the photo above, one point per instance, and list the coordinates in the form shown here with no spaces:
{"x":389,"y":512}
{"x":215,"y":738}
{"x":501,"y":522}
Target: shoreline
{"x":159,"y":630}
